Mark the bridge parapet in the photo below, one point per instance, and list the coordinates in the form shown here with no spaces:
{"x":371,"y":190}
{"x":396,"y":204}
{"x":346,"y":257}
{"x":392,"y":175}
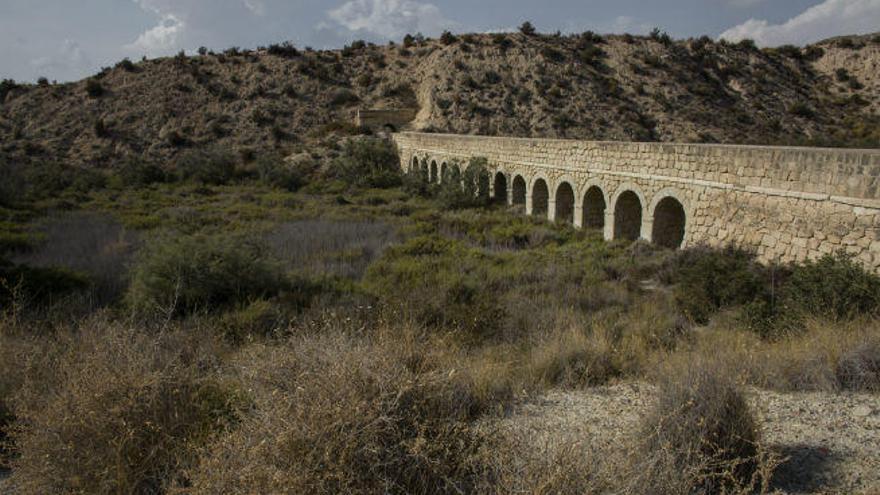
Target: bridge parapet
{"x":788,"y":203}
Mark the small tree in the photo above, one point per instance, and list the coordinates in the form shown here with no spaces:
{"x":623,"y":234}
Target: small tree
{"x":448,"y":38}
{"x":471,"y":191}
{"x":212,"y":166}
{"x":371,"y":162}
{"x":527,"y":29}
{"x":94,"y":88}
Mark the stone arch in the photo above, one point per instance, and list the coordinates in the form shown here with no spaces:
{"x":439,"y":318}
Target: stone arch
{"x":594,"y":205}
{"x":414,"y":165}
{"x":444,"y":172}
{"x":540,"y":197}
{"x":433,"y":174}
{"x":628,"y":207}
{"x":669,"y":219}
{"x":564,"y":202}
{"x":500,"y":187}
{"x":519,"y":190}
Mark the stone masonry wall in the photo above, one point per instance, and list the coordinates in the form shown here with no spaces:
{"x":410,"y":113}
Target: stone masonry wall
{"x":789,"y":204}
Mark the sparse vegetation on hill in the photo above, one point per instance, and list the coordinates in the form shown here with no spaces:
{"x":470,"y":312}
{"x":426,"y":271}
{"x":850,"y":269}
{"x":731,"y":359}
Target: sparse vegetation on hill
{"x":522,"y":84}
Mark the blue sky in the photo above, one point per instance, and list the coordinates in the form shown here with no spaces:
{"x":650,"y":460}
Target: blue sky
{"x":70,"y":39}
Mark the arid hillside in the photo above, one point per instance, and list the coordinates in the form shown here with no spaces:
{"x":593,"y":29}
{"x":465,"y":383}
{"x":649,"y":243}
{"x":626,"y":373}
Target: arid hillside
{"x":578,"y":86}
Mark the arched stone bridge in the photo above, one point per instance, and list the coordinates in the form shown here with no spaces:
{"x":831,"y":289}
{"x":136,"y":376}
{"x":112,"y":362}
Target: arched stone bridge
{"x":789,"y":204}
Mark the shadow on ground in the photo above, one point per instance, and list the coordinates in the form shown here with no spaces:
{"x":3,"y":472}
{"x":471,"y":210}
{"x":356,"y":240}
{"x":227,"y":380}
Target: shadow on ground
{"x":805,"y":469}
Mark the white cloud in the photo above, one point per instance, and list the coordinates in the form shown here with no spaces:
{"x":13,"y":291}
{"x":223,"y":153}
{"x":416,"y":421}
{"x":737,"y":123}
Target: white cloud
{"x":390,"y":18}
{"x":181,"y":21}
{"x":827,"y":19}
{"x":160,"y":40}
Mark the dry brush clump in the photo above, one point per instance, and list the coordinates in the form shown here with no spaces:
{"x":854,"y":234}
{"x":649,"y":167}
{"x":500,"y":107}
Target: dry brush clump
{"x":700,"y":436}
{"x":341,"y":414}
{"x":107,"y":409}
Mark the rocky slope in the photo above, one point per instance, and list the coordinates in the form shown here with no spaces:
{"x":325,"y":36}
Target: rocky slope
{"x":579,"y":86}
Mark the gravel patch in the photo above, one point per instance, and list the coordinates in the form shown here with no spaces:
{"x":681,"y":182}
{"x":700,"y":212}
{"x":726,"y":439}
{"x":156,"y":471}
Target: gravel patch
{"x":830,"y":442}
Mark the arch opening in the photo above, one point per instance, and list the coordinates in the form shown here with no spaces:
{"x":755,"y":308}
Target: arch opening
{"x":519,"y":190}
{"x":414,"y":166}
{"x":565,"y":203}
{"x":628,"y":216}
{"x":669,"y":223}
{"x":594,"y":208}
{"x":433,"y":176}
{"x":423,"y":171}
{"x":500,"y":187}
{"x":444,"y":173}
{"x":540,"y":197}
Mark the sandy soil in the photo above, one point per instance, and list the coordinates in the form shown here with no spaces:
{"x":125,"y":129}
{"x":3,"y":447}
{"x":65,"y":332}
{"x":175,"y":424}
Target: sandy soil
{"x":831,"y":441}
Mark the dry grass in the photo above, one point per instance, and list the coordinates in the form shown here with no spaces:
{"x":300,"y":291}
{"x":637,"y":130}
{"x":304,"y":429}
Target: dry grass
{"x":700,"y":436}
{"x":337,"y":414}
{"x":822,"y":356}
{"x":108,"y":409}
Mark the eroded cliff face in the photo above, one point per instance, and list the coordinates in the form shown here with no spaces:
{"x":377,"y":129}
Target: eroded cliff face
{"x":580,"y":86}
{"x":859,"y":57}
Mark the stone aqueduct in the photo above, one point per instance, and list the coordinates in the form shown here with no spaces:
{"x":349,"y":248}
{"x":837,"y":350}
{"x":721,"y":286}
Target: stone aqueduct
{"x":789,"y":204}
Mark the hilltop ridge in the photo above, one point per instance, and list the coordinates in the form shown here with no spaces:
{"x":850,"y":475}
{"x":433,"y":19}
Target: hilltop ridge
{"x":615,"y":87}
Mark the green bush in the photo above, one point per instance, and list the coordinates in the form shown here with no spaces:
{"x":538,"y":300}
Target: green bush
{"x":344,"y":97}
{"x":527,"y":29}
{"x":45,"y":179}
{"x":440,"y":283}
{"x":177,"y":275}
{"x":207,"y":166}
{"x":708,"y":280}
{"x":94,"y":88}
{"x":34,"y":286}
{"x":12,"y":185}
{"x":136,"y":173}
{"x":448,"y":38}
{"x":834,"y":286}
{"x":272,"y":170}
{"x":472,"y":192}
{"x":6,"y":87}
{"x":369,"y":162}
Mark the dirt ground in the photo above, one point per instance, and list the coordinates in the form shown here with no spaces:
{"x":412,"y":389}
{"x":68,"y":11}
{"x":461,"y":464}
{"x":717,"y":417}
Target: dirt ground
{"x":830,"y":442}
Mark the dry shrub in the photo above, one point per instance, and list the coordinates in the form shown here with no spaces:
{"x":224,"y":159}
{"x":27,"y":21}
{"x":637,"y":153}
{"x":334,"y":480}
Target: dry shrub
{"x":514,"y":465}
{"x":822,"y":356}
{"x":574,"y":358}
{"x":859,"y":367}
{"x":613,"y":345}
{"x":106,"y":409}
{"x":699,"y":437}
{"x":337,"y":414}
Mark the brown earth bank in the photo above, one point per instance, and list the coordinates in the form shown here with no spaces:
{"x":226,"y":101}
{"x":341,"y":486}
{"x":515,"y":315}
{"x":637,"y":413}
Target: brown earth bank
{"x":616,"y":87}
{"x":825,"y":442}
